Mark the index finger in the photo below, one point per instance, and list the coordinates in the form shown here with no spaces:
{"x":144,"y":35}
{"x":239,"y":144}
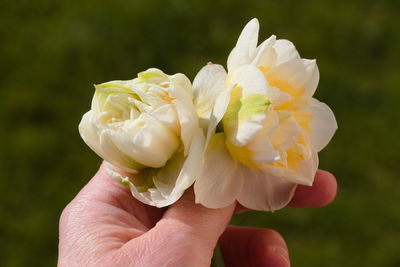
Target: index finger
{"x":321,"y":193}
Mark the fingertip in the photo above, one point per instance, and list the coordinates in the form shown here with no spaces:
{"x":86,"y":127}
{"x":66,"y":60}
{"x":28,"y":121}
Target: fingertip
{"x":321,"y":193}
{"x":330,"y":186}
{"x":246,"y":246}
{"x":270,"y":250}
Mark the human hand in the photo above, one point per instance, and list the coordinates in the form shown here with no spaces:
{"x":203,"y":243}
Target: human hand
{"x":105,"y":226}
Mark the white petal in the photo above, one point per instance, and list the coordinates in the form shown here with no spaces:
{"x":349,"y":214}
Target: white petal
{"x":183,"y":82}
{"x":300,"y":74}
{"x":285,"y":51}
{"x":92,"y":135}
{"x":265,"y":55}
{"x":165,"y":178}
{"x":167,"y":115}
{"x":221,"y":103}
{"x":286,"y":134}
{"x":245,"y":48}
{"x":209,"y":82}
{"x":170,"y":182}
{"x":308,"y":168}
{"x":260,"y":145}
{"x":187,"y":116}
{"x":145,"y":140}
{"x":219,"y":182}
{"x":262,"y":191}
{"x":152,"y":75}
{"x":247,"y":129}
{"x":323,"y":125}
{"x":312,"y":83}
{"x":250,"y":79}
{"x":303,"y":174}
{"x":126,"y":179}
{"x":89,"y":134}
{"x":277,"y":96}
{"x":190,"y":170}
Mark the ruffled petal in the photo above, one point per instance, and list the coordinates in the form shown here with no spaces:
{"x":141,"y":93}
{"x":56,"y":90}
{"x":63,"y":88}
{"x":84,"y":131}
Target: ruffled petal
{"x":323,"y":124}
{"x":89,"y":134}
{"x":165,"y":179}
{"x":307,"y":169}
{"x":94,"y":137}
{"x":245,"y":48}
{"x":246,"y":111}
{"x":277,"y":96}
{"x":220,"y":106}
{"x":297,"y":77}
{"x":184,"y":82}
{"x":261,"y":148}
{"x":219,"y":182}
{"x":172,"y":186}
{"x":126,"y":179}
{"x":265,"y":55}
{"x":146,"y":140}
{"x":285,"y":51}
{"x":303,"y":173}
{"x":165,"y":186}
{"x":187,"y":117}
{"x":262,"y":191}
{"x":168,"y":116}
{"x":313,"y":79}
{"x":286,"y":134}
{"x":250,"y":79}
{"x":209,"y":82}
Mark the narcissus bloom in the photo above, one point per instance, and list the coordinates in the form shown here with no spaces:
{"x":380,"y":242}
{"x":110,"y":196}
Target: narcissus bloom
{"x":147,"y":130}
{"x":263,"y":126}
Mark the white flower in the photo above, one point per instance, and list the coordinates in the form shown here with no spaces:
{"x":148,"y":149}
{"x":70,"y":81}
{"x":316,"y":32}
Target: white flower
{"x":148,"y":132}
{"x":263,"y":126}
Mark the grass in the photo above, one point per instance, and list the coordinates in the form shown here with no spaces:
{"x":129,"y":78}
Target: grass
{"x":53,"y":52}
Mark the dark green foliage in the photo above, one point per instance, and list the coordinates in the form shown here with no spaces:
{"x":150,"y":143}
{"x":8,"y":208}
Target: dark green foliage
{"x":51,"y":52}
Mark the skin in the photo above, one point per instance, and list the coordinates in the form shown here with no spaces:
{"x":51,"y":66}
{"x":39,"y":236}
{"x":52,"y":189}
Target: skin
{"x":105,"y":226}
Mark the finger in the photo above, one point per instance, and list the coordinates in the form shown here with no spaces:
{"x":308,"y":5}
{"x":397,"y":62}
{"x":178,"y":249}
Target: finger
{"x":244,"y":246}
{"x":189,"y":228}
{"x":321,"y":193}
{"x":204,"y":224}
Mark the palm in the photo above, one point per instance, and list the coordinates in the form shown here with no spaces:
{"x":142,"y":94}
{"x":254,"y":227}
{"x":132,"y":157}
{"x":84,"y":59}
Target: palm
{"x":111,"y":218}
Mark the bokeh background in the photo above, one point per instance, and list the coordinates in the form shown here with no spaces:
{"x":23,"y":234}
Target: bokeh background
{"x":52,"y":52}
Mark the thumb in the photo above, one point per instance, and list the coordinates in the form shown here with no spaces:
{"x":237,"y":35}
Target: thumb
{"x":204,"y":225}
{"x":188,"y":232}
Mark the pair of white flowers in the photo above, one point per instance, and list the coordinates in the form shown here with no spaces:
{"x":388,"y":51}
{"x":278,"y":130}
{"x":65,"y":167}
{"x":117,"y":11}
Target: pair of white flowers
{"x":249,"y":135}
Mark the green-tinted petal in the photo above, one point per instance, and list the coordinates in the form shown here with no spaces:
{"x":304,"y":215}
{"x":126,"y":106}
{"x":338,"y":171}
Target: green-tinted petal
{"x":152,"y":75}
{"x":244,"y":115}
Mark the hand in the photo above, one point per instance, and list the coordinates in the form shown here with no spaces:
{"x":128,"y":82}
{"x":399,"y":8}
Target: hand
{"x":105,"y":226}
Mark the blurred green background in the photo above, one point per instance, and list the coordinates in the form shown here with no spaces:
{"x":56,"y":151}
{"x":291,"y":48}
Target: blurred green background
{"x":52,"y":52}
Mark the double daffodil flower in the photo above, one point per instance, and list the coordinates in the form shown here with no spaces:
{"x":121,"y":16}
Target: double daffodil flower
{"x":263,"y":126}
{"x":250,"y":134}
{"x":147,"y":131}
